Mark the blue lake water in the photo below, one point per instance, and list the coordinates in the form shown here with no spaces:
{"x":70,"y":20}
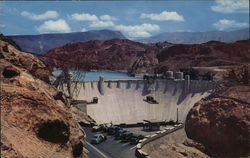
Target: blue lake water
{"x":94,"y":76}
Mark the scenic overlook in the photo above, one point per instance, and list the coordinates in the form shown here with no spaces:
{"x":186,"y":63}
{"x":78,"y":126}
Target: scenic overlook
{"x":125,"y":79}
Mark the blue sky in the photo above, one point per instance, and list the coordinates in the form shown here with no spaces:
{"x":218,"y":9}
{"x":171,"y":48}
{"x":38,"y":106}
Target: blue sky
{"x":135,"y":19}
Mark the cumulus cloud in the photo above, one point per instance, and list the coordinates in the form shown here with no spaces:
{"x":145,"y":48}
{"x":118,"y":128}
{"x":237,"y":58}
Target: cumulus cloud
{"x":47,"y":15}
{"x":84,"y":17}
{"x":231,"y":6}
{"x":225,"y":24}
{"x":100,"y":23}
{"x":107,"y":17}
{"x":83,"y":30}
{"x":59,"y":25}
{"x":163,"y":16}
{"x":139,"y":34}
{"x":142,"y":30}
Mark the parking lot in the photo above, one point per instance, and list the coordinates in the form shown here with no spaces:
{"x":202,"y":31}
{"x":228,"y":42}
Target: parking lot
{"x":115,"y":148}
{"x":111,"y":148}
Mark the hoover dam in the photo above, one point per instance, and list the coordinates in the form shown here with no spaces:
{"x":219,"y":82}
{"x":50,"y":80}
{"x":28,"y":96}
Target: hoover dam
{"x":124,"y":101}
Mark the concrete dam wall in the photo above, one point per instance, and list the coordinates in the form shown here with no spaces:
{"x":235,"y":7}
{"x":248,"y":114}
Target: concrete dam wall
{"x":124,"y":101}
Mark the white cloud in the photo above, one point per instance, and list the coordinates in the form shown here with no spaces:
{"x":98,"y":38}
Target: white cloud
{"x":225,"y":24}
{"x":47,"y":15}
{"x":2,"y":25}
{"x":163,"y":16}
{"x":84,"y":17}
{"x":83,"y":30}
{"x":142,"y":30}
{"x":139,"y":34}
{"x":100,"y":23}
{"x":59,"y":25}
{"x":108,"y":18}
{"x":231,"y":6}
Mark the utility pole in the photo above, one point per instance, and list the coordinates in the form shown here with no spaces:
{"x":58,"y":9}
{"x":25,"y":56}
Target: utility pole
{"x":177,"y":118}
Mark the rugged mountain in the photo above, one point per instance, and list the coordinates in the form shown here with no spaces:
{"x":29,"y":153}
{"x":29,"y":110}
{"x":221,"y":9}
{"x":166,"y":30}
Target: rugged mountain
{"x":199,"y":37}
{"x":208,"y":54}
{"x":116,"y":54}
{"x":40,"y":44}
{"x":35,"y":118}
{"x":138,"y":58}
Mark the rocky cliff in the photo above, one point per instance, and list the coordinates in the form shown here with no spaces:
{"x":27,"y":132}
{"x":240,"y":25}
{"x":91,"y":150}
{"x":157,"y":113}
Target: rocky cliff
{"x":221,"y":122}
{"x":117,"y":54}
{"x":208,"y":54}
{"x":139,"y":58}
{"x":35,"y":118}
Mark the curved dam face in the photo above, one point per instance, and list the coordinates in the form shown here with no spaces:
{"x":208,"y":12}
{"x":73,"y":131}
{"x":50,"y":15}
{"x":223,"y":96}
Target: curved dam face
{"x":124,"y":101}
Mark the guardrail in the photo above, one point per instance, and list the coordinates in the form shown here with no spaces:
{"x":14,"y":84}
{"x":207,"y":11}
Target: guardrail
{"x":142,"y":154}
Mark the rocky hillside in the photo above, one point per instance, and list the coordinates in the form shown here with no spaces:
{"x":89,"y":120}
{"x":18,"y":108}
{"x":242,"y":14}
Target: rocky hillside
{"x":40,"y":44}
{"x":204,"y":55}
{"x":199,"y":37}
{"x":139,"y":58}
{"x":117,"y":54}
{"x":35,"y":118}
{"x":9,"y":40}
{"x":221,"y":122}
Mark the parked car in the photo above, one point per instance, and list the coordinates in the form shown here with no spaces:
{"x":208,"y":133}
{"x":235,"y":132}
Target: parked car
{"x":113,"y":129}
{"x":125,"y":138}
{"x":98,"y":138}
{"x":96,"y":128}
{"x":151,"y":100}
{"x":135,"y":138}
{"x":119,"y":134}
{"x":105,"y":127}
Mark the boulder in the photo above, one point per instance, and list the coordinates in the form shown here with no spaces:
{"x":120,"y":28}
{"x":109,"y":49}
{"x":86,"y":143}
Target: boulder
{"x":222,"y":125}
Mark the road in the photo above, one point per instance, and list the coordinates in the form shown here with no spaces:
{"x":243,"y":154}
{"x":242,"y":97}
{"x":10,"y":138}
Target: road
{"x":110,"y":148}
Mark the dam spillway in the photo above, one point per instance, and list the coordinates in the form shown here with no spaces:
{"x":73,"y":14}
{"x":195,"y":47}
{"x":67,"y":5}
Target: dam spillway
{"x":123,"y":101}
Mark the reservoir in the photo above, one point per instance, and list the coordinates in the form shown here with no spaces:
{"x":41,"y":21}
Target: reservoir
{"x":80,"y":75}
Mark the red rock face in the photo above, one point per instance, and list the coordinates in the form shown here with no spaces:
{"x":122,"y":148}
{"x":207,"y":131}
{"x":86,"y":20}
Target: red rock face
{"x":221,"y":125}
{"x":204,"y":55}
{"x":123,"y":54}
{"x":116,"y":54}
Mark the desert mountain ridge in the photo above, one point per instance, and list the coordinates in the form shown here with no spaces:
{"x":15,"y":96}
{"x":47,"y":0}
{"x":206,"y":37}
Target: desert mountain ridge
{"x":199,"y":37}
{"x":139,"y":58}
{"x":42,"y":43}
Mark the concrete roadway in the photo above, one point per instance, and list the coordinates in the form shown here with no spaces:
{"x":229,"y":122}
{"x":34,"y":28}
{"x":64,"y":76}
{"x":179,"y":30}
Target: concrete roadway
{"x":108,"y":149}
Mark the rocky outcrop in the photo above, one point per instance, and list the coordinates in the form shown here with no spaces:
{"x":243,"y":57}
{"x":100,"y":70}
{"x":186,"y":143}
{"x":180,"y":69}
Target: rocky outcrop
{"x":208,"y":54}
{"x":144,"y":65}
{"x":221,"y":124}
{"x":33,"y":123}
{"x":135,"y":57}
{"x":174,"y":145}
{"x":28,"y":62}
{"x":10,"y":41}
{"x":116,"y":54}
